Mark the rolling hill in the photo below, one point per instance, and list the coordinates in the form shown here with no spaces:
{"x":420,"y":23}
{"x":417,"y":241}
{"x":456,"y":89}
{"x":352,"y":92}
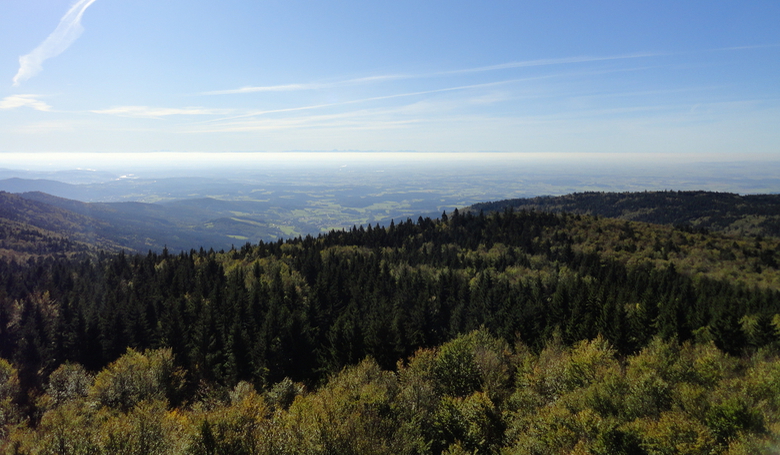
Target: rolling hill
{"x":141,"y":227}
{"x":209,"y":222}
{"x":33,"y":228}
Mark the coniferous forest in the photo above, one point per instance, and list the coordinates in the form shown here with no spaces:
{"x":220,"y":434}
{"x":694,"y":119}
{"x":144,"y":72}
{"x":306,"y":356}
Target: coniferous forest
{"x":512,"y":332}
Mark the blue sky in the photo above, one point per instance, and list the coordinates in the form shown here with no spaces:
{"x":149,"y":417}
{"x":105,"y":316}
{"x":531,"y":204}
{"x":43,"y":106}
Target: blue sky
{"x":699,"y":79}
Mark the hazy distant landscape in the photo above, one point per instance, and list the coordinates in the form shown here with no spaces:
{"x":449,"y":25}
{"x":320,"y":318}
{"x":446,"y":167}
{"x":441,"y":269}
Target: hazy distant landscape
{"x":227,"y":205}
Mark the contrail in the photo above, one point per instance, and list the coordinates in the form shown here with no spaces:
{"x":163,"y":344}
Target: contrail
{"x":63,"y":36}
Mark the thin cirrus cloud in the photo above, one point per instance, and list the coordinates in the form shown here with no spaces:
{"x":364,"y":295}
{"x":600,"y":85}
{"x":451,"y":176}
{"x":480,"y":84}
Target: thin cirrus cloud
{"x":380,"y":117}
{"x":374,"y":98}
{"x":158,"y":112}
{"x":307,"y":86}
{"x":31,"y":101}
{"x":392,"y":77}
{"x":548,"y":62}
{"x":491,"y":84}
{"x":60,"y":39}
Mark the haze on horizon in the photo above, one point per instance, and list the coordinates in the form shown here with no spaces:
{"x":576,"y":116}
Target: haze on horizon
{"x":631,"y":79}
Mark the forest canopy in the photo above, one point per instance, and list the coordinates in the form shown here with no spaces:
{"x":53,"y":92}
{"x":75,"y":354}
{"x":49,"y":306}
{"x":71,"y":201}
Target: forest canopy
{"x":521,"y":332}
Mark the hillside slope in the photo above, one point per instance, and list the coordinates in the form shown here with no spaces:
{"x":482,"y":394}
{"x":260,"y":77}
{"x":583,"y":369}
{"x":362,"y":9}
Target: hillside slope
{"x":33,"y":228}
{"x":141,"y":227}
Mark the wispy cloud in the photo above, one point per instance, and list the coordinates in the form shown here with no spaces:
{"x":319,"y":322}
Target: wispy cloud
{"x":31,"y":101}
{"x":61,"y":38}
{"x":373,"y":98}
{"x":549,"y":62}
{"x":450,"y":112}
{"x":741,"y":48}
{"x":47,"y":127}
{"x":392,"y":77}
{"x":360,"y":119}
{"x":158,"y":112}
{"x":307,"y":86}
{"x":493,"y":84}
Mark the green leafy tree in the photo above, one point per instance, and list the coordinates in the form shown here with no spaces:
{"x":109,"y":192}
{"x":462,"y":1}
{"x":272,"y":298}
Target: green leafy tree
{"x":10,"y":414}
{"x":135,"y":377}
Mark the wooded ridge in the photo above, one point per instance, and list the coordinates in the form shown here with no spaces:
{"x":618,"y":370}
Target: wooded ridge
{"x":752,"y":214}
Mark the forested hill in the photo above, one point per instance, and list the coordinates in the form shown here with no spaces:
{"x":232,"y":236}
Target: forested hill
{"x":180,"y":344}
{"x":136,"y":226}
{"x":721,"y":212}
{"x":37,"y":224}
{"x":305,"y":307}
{"x":30,"y":228}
